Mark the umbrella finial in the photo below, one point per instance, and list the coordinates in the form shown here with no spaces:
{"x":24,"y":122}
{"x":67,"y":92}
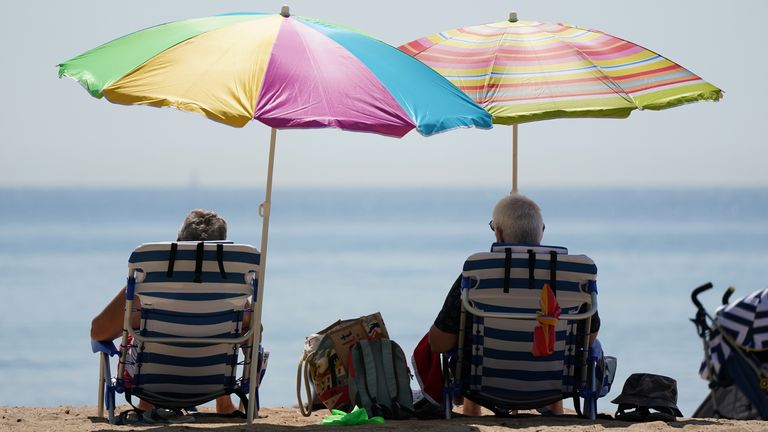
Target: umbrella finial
{"x":285,"y":11}
{"x":513,"y":17}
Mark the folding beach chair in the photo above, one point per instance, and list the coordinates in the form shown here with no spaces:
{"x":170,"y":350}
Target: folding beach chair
{"x":501,"y":292}
{"x":193,"y":299}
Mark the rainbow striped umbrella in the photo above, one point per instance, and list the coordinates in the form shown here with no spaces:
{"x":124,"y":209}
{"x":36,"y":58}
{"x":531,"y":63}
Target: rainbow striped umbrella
{"x":522,"y":71}
{"x":287,"y":72}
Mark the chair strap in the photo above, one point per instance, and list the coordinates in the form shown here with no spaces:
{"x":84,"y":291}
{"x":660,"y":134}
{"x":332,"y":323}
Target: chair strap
{"x":171,"y":259}
{"x":553,"y":271}
{"x":531,"y":269}
{"x":577,"y":404}
{"x":199,"y":262}
{"x":220,"y":259}
{"x":507,"y":266}
{"x":129,"y":399}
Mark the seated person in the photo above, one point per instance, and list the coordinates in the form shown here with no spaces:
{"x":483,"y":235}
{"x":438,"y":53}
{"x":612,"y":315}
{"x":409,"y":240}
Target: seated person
{"x":516,"y":219}
{"x":199,"y":225}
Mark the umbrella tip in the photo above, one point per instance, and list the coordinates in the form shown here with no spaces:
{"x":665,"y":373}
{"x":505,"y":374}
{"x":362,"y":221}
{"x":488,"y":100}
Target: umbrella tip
{"x":513,"y":17}
{"x":285,"y":11}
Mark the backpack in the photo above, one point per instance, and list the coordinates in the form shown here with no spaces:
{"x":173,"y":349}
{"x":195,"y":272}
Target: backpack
{"x":606,"y":369}
{"x":379,"y":379}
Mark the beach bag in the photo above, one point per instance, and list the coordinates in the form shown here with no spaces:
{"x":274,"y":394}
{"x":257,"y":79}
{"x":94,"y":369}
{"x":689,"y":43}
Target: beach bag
{"x":605,"y":370}
{"x":379,"y":379}
{"x":322,"y":369}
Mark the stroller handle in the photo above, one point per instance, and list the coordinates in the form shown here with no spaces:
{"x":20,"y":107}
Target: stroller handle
{"x":697,"y":291}
{"x":727,"y":294}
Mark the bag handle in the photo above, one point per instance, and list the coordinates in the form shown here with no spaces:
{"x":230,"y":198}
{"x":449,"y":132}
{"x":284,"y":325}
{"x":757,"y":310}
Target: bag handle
{"x":302,"y":372}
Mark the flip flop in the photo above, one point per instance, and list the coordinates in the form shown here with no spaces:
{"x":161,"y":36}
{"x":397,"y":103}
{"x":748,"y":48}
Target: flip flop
{"x":129,"y":417}
{"x":236,"y":414}
{"x":166,"y":416}
{"x":546,"y":412}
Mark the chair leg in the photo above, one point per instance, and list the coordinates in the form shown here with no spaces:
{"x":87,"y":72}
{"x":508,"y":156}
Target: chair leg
{"x":448,"y":404}
{"x":111,"y":404}
{"x":590,"y":407}
{"x":447,"y":390}
{"x":108,"y":387}
{"x":100,"y":400}
{"x":254,"y":381}
{"x":590,"y":398}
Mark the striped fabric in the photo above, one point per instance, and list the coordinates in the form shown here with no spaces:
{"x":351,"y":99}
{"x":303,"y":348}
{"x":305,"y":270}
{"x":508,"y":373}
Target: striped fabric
{"x":183,"y":296}
{"x":745,"y":323}
{"x":502,"y":368}
{"x":527,"y":70}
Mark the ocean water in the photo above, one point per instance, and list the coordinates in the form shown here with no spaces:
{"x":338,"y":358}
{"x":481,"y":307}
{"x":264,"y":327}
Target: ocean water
{"x":344,"y":253}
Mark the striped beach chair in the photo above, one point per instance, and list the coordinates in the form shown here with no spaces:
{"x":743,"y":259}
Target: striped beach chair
{"x":194,"y":296}
{"x":501,"y":293}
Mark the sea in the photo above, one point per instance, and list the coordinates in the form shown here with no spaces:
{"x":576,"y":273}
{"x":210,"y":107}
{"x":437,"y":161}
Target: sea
{"x":343,"y":253}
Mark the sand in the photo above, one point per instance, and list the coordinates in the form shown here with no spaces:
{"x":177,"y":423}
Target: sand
{"x":80,"y":418}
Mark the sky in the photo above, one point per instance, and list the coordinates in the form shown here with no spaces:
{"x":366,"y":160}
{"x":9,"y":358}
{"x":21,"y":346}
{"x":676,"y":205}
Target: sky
{"x":53,"y":134}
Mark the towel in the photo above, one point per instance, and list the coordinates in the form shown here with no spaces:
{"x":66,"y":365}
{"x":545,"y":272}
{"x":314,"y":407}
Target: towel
{"x":544,"y":333}
{"x":428,"y":372}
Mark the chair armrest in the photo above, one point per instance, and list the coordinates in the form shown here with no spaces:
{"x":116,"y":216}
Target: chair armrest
{"x":106,"y":347}
{"x":532,"y":316}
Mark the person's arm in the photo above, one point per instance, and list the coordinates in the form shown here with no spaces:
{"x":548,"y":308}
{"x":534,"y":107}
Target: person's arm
{"x":443,"y":335}
{"x":440,"y":341}
{"x":108,"y":324}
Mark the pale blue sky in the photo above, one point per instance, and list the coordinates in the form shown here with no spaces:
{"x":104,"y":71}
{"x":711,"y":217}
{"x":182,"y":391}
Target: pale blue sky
{"x":54,"y":134}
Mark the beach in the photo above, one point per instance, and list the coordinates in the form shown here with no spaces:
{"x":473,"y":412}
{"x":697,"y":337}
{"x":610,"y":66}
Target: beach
{"x":280,"y":419}
{"x":362,"y":147}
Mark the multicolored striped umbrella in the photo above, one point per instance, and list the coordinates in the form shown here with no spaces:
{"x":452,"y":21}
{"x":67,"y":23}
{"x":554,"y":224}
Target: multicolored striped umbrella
{"x":287,"y":72}
{"x":522,"y":71}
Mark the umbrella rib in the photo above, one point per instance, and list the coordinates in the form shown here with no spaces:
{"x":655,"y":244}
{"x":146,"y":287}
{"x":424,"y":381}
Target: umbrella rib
{"x":324,"y":99}
{"x":614,"y":86}
{"x":489,"y":74}
{"x":447,"y":38}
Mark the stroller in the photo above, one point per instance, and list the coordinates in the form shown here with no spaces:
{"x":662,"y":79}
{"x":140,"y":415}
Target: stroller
{"x":735,"y":356}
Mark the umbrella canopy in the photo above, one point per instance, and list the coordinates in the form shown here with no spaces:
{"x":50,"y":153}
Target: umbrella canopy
{"x":522,"y":71}
{"x":287,"y":72}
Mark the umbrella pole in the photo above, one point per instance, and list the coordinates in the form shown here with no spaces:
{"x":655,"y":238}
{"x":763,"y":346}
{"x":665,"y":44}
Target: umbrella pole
{"x":264,"y":210}
{"x":514,"y":158}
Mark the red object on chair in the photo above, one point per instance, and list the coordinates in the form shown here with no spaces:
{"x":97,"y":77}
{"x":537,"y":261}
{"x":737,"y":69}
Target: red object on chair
{"x":429,"y":374}
{"x":544,"y":333}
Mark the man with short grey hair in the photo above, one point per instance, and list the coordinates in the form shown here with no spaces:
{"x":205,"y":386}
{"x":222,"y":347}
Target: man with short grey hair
{"x":516,"y":219}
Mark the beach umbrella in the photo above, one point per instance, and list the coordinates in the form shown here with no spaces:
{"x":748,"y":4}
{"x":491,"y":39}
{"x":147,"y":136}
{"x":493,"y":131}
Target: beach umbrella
{"x":285,"y":71}
{"x":523,"y":71}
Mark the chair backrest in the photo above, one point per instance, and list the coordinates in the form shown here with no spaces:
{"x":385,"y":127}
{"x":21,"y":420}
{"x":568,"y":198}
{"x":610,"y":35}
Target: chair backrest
{"x":507,"y":281}
{"x":194,"y":295}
